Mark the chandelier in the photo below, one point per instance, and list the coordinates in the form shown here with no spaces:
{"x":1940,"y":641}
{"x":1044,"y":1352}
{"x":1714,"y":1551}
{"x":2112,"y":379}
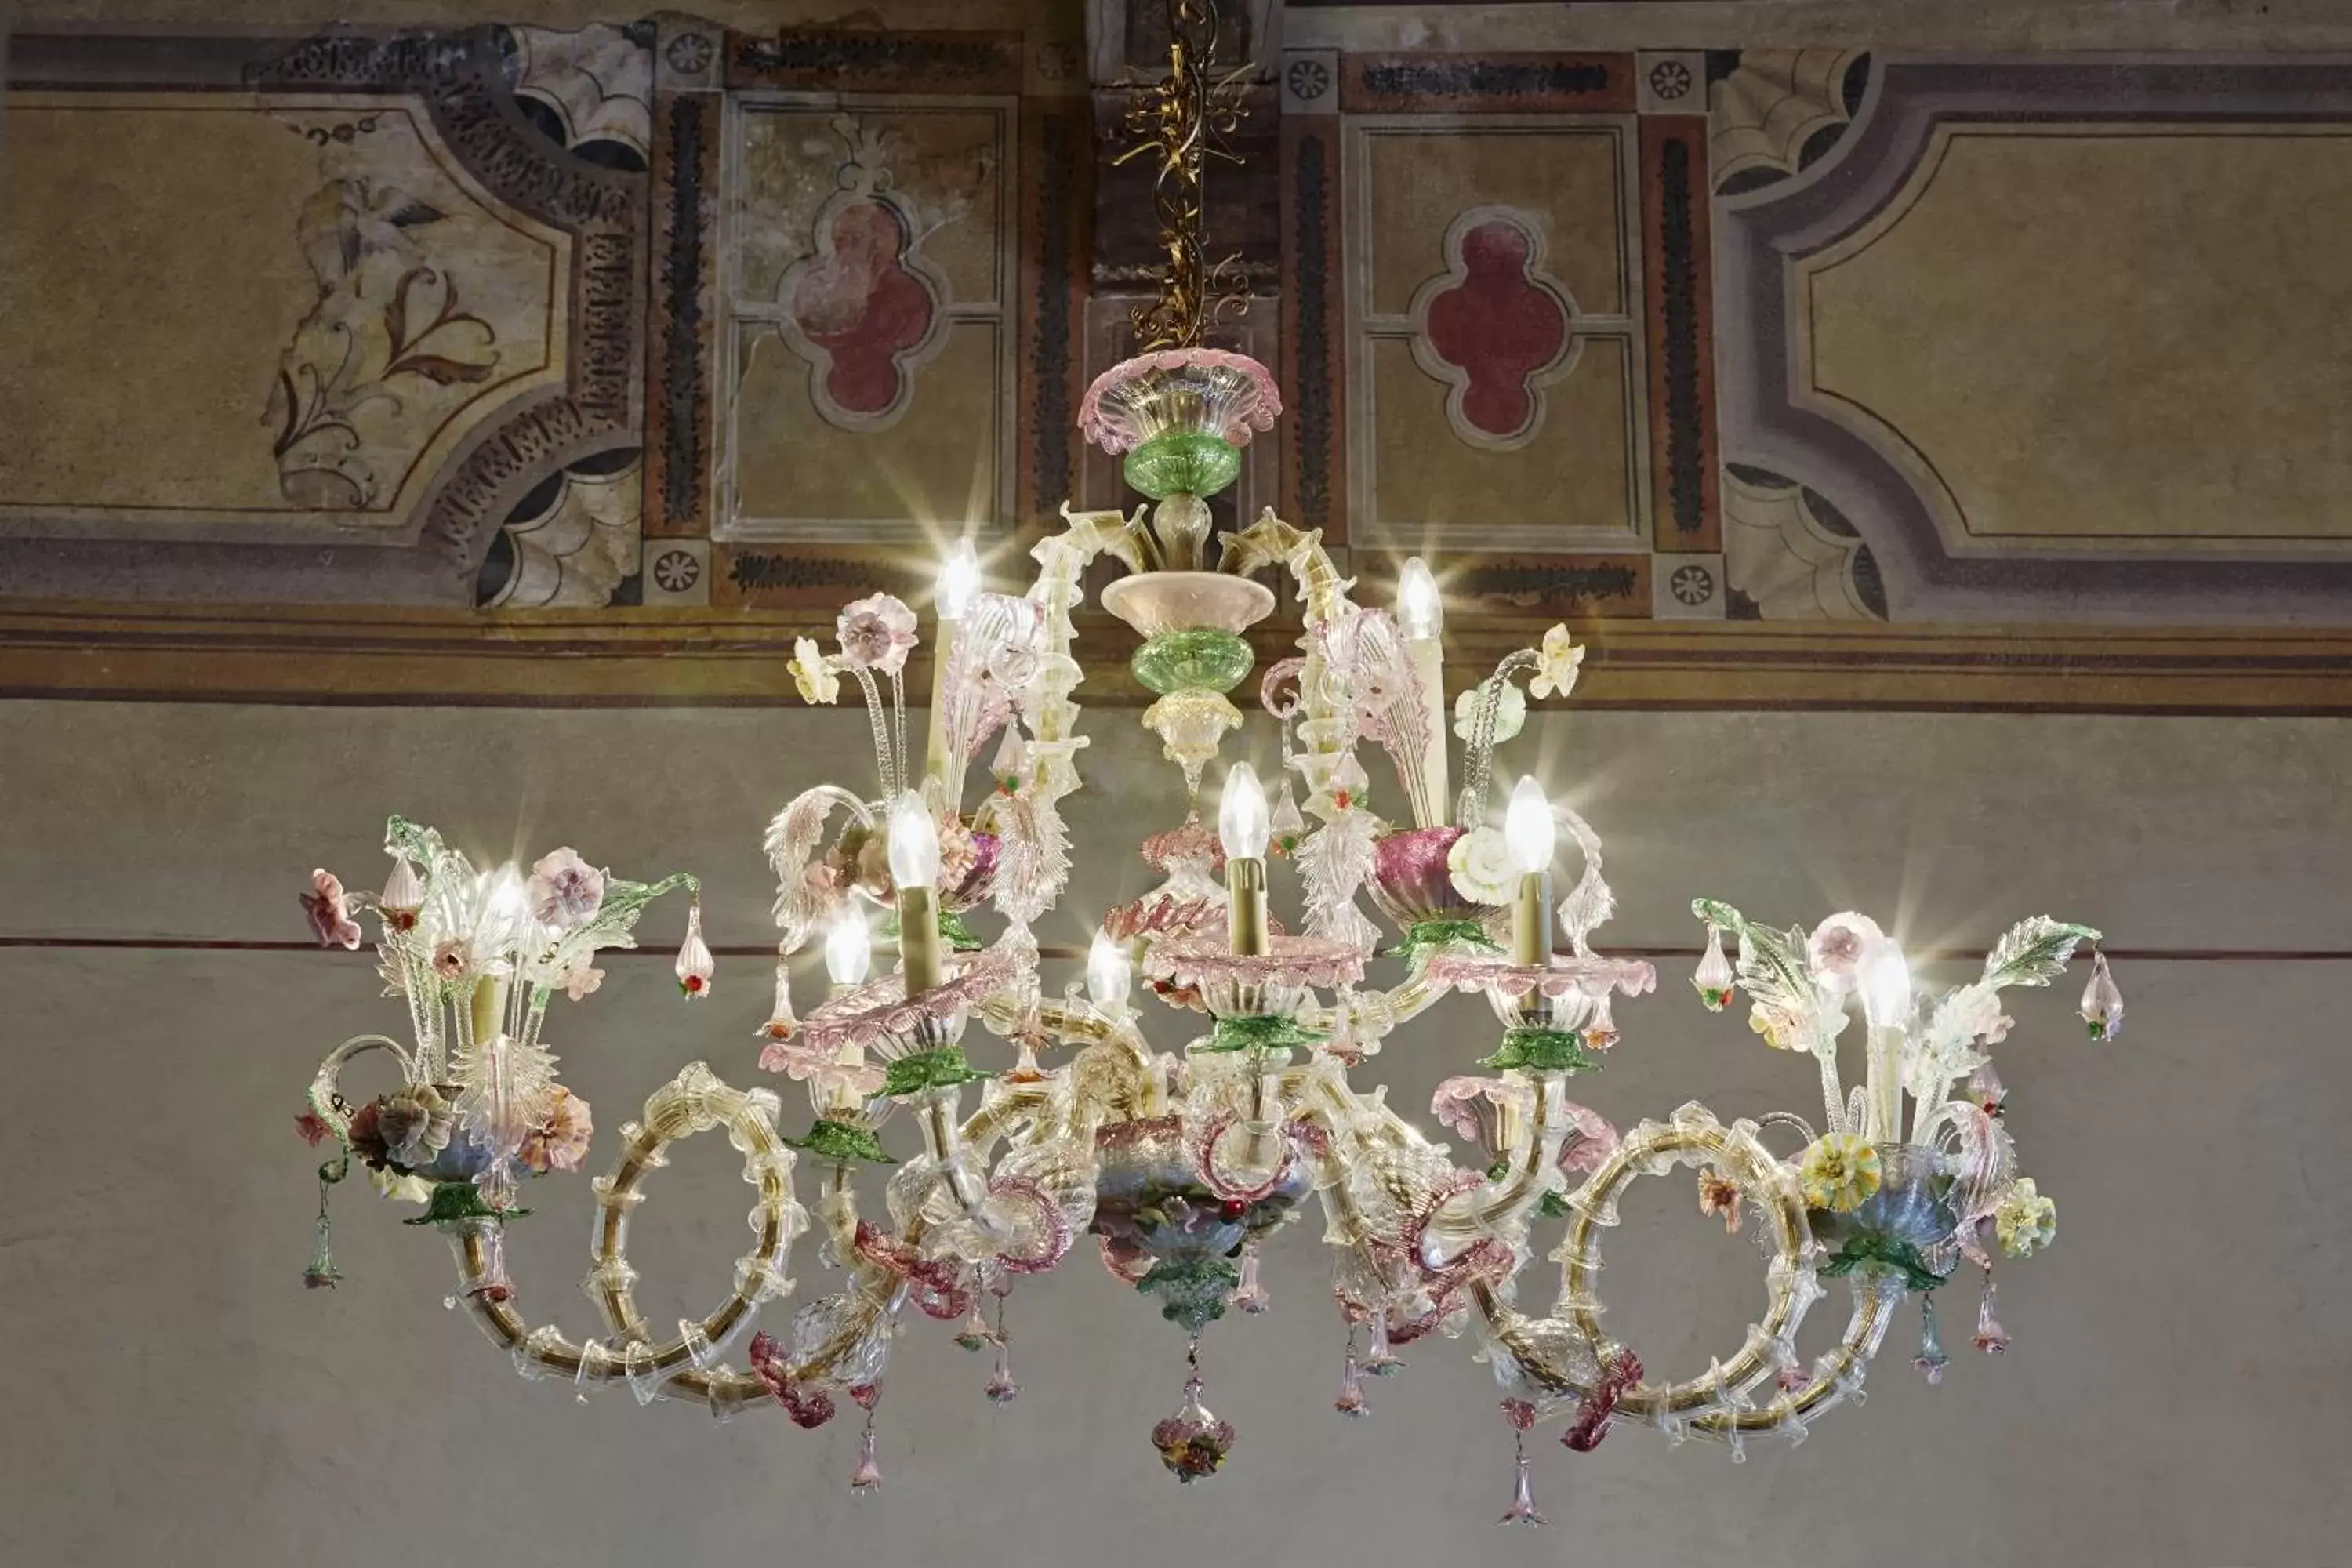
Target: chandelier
{"x":1180,"y":1163}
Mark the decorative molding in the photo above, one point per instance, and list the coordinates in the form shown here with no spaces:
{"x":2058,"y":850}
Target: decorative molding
{"x":677,"y":574}
{"x":729,"y":656}
{"x":1686,"y":587}
{"x":1494,"y":272}
{"x":1524,"y":532}
{"x":1767,"y":241}
{"x":1779,"y":111}
{"x":598,"y":82}
{"x":1314,"y":491}
{"x":459,"y":82}
{"x":1677,"y":276}
{"x":1671,"y":83}
{"x":682,"y":321}
{"x":1791,"y":556}
{"x":1485,"y":84}
{"x":1056,"y":172}
{"x":573,"y":541}
{"x":841,"y":60}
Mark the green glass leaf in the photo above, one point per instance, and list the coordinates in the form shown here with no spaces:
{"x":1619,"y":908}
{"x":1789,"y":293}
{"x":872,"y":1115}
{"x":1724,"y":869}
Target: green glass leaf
{"x":843,"y":1142}
{"x":1427,"y":936}
{"x":1255,"y":1033}
{"x":1552,"y":1206}
{"x":920,"y":1070}
{"x":2034,"y":952}
{"x":1192,"y":1291}
{"x":1774,"y":970}
{"x":457,"y":1201}
{"x":1873,"y":1252}
{"x":952,"y":931}
{"x":1543,"y":1050}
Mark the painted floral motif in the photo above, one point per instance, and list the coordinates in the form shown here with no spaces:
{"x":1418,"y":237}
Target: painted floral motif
{"x":388,"y":331}
{"x":1493,"y":326}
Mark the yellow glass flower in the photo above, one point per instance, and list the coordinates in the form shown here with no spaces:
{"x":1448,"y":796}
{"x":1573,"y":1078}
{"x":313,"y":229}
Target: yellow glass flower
{"x":813,"y":673}
{"x":2026,"y":1221}
{"x":1556,"y":664}
{"x":1838,"y":1172}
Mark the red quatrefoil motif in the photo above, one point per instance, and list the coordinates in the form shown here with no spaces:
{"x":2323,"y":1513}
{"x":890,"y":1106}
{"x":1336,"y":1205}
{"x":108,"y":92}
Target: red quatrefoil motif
{"x":1496,"y":328}
{"x":856,"y":303}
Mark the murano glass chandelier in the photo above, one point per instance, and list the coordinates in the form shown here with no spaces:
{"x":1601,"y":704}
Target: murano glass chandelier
{"x":1180,"y":1163}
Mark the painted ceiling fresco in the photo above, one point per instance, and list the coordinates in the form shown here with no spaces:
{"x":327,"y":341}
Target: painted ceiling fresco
{"x":510,"y":364}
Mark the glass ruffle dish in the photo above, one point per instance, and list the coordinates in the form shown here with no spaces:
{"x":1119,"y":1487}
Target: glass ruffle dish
{"x":881,"y":1016}
{"x":1181,"y":417}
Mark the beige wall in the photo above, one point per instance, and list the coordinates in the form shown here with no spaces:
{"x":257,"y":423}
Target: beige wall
{"x":2175,"y":1395}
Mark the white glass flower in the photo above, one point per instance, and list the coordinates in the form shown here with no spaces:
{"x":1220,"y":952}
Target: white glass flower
{"x":1558,"y":662}
{"x":1480,"y":865}
{"x":813,"y":673}
{"x":1510,"y":711}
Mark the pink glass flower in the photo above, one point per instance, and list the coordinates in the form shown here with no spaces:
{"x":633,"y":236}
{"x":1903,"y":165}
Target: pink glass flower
{"x":1523,"y":1503}
{"x":1350,"y":1402}
{"x":877,"y":633}
{"x":313,"y":1131}
{"x":560,"y":1141}
{"x":580,"y":980}
{"x":866,"y":1478}
{"x":1990,"y":1337}
{"x":331,"y":916}
{"x":565,"y":890}
{"x":1249,"y":1293}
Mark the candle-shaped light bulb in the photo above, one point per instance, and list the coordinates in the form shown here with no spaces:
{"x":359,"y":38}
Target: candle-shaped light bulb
{"x":1886,"y":986}
{"x":914,"y":843}
{"x":959,"y":581}
{"x":1528,"y":838}
{"x":1243,"y":822}
{"x":915,"y":867}
{"x":1529,"y":835}
{"x":1885,"y":982}
{"x":848,"y":949}
{"x":1421,"y":613}
{"x":1421,"y":617}
{"x":1109,"y":973}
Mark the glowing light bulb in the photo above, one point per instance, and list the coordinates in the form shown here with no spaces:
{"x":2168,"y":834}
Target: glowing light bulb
{"x":1109,"y":973}
{"x":914,"y":843}
{"x":959,"y":581}
{"x":1885,"y":984}
{"x":1528,"y":834}
{"x":848,"y":949}
{"x":1420,"y":612}
{"x":1243,"y":822}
